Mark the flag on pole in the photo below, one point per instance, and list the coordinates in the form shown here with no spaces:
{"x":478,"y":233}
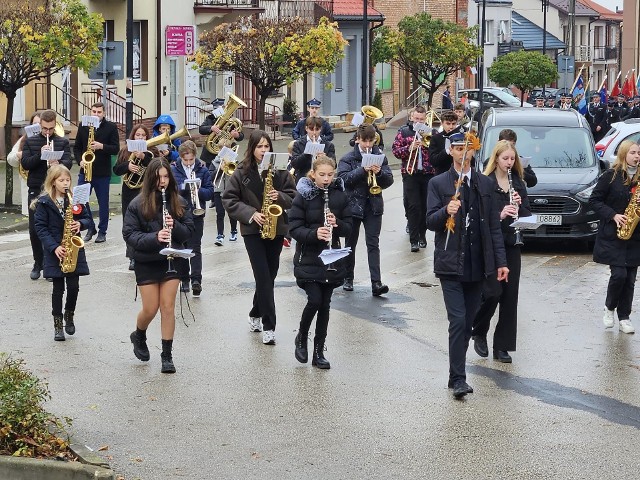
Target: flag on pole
{"x":615,"y":90}
{"x":638,"y":86}
{"x":578,"y":96}
{"x":628,"y":87}
{"x":603,"y":91}
{"x":633,"y":84}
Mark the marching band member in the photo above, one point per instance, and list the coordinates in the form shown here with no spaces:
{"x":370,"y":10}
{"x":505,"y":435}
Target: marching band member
{"x":366,"y":207}
{"x":319,"y":216}
{"x":132,"y":162}
{"x":165,"y":124}
{"x":156,"y":218}
{"x":415,"y":177}
{"x":530,"y":178}
{"x":462,"y":260}
{"x":191,"y":167}
{"x":13,"y":159}
{"x":106,"y":143}
{"x":50,"y":208}
{"x":615,"y":190}
{"x":313,"y":107}
{"x":438,"y":156}
{"x":37,"y":169}
{"x":243,"y":199}
{"x":510,"y":192}
{"x":302,"y":161}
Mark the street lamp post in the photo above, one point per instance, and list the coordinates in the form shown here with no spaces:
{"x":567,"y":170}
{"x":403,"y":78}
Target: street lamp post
{"x":544,"y":36}
{"x":365,"y":55}
{"x":481,"y":72}
{"x":129,"y":85}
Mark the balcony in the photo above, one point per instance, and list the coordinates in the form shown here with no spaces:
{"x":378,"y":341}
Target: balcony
{"x":227,"y":3}
{"x":213,"y":12}
{"x":583,"y":53}
{"x":315,"y":9}
{"x":602,"y":54}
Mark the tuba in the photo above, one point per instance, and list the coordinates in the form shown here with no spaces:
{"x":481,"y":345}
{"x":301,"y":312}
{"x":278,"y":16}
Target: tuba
{"x":215,"y":141}
{"x":70,"y":242}
{"x":632,"y":212}
{"x":134,"y":180}
{"x":371,"y":114}
{"x":270,"y":210}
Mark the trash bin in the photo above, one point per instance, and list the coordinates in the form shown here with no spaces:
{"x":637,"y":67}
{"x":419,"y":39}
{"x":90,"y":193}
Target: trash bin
{"x":115,"y":179}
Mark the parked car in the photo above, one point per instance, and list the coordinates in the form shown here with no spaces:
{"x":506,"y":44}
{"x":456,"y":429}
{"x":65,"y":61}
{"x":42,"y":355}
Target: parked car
{"x":549,"y":91}
{"x":559,"y":146}
{"x":607,"y":148}
{"x":493,"y":97}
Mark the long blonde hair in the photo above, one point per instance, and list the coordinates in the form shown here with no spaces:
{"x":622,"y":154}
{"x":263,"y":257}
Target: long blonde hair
{"x":49,"y":186}
{"x":501,"y":147}
{"x":620,"y":165}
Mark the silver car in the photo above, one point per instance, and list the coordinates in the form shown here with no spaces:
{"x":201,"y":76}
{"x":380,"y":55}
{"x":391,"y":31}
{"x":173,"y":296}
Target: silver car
{"x":607,"y":148}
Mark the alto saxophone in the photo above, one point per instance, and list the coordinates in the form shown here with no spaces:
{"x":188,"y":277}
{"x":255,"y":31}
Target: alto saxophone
{"x":89,"y":155}
{"x":270,"y":210}
{"x":632,"y":212}
{"x":70,"y":241}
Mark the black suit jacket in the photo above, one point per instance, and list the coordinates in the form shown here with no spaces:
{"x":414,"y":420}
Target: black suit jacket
{"x":107,"y":134}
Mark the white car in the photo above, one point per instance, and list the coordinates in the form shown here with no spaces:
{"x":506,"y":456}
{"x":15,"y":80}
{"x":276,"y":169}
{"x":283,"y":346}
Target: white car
{"x":493,"y":97}
{"x":607,"y":148}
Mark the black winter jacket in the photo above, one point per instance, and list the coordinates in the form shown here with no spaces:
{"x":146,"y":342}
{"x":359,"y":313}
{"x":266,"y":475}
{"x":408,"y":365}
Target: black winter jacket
{"x":37,"y":167}
{"x":610,"y":197}
{"x":438,"y":156}
{"x":355,"y":181}
{"x":299,"y":130}
{"x":205,"y":129}
{"x":302,"y":162}
{"x":142,"y":234}
{"x":305,"y":217}
{"x":49,"y":223}
{"x":502,"y":199}
{"x":450,"y":262}
{"x":107,"y":134}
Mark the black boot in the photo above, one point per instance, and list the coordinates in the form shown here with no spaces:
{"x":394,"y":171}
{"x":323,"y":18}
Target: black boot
{"x":318,"y":355}
{"x":302,"y":355}
{"x":57,"y":326}
{"x":167,"y":359}
{"x":69,"y":326}
{"x":140,"y":349}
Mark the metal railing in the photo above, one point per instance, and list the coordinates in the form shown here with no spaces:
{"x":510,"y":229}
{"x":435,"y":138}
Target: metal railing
{"x":418,"y":97}
{"x":115,"y":107}
{"x":228,"y":3}
{"x":61,"y":102}
{"x":605,"y":53}
{"x":297,"y":8}
{"x":583,"y":53}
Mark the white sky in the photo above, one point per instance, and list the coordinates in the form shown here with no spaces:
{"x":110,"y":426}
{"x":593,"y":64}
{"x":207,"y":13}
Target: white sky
{"x":610,"y":4}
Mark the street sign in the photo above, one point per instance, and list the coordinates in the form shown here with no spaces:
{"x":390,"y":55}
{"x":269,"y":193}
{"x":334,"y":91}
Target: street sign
{"x":112,"y":64}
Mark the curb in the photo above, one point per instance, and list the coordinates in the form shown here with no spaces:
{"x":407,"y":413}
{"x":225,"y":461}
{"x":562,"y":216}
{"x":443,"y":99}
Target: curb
{"x":19,"y":468}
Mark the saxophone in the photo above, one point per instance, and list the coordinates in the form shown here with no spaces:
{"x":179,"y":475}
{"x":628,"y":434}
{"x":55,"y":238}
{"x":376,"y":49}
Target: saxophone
{"x":70,"y":242}
{"x":89,"y":155}
{"x":270,"y":210}
{"x":632,"y":212}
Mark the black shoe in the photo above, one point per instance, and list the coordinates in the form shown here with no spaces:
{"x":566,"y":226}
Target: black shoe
{"x":502,"y":356}
{"x":469,"y":389}
{"x":422,"y":243}
{"x":35,"y":272}
{"x":318,"y":359}
{"x":140,"y":349}
{"x":49,"y":279}
{"x":101,"y":238}
{"x":69,"y":326}
{"x":132,"y":264}
{"x":302,"y":355}
{"x":57,"y":328}
{"x":167,"y":363}
{"x":461,"y":388}
{"x":378,"y":288}
{"x":89,"y":235}
{"x":184,"y":286}
{"x":415,"y":248}
{"x":480,"y":345}
{"x":406,"y":229}
{"x":348,"y":285}
{"x":196,"y":286}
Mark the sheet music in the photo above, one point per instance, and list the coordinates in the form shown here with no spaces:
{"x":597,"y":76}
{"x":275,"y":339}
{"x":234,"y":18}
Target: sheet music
{"x":32,"y":130}
{"x":226,"y":154}
{"x":88,"y":120}
{"x":178,"y":252}
{"x":527,"y":223}
{"x":358,"y":119}
{"x":136,"y":145}
{"x":81,"y":194}
{"x":216,"y":112}
{"x":421,"y":128}
{"x":525,"y":161}
{"x":312,"y":148}
{"x":369,"y":159}
{"x":191,"y":181}
{"x":280,"y":161}
{"x":330,"y":255}
{"x":51,"y":155}
{"x":162,"y":147}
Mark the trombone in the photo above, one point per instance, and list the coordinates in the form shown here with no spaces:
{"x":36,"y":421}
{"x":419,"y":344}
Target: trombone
{"x":226,"y":167}
{"x":420,"y":140}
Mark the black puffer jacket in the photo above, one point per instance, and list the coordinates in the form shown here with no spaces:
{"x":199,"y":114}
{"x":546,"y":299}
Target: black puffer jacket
{"x":305,"y":217}
{"x":142,"y":234}
{"x":302,"y":161}
{"x":355,"y":181}
{"x":610,"y":197}
{"x":37,"y":167}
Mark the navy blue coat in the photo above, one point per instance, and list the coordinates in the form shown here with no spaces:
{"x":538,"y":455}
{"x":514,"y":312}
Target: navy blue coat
{"x":299,"y":130}
{"x":450,"y":262}
{"x":205,"y":191}
{"x":302,"y":162}
{"x":49,"y":223}
{"x":355,"y":181}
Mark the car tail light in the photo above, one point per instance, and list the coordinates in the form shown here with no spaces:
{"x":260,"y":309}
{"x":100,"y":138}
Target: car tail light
{"x":602,"y":146}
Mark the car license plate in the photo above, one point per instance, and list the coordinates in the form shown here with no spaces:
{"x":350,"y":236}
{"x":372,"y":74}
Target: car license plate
{"x":550,"y":219}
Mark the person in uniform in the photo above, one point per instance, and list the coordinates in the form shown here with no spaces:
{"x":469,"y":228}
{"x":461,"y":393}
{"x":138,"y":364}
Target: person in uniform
{"x":313,"y":107}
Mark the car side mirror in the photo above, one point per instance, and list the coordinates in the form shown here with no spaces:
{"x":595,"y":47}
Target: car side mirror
{"x":604,"y":165}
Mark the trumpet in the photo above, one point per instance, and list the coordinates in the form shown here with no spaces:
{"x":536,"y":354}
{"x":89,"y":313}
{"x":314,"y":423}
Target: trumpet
{"x":374,"y":188}
{"x":198,"y":211}
{"x":134,"y":180}
{"x":89,"y":155}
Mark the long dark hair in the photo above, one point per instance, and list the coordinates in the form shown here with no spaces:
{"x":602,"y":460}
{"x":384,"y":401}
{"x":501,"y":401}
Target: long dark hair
{"x":124,"y":153}
{"x":249,"y":162}
{"x":148,"y":200}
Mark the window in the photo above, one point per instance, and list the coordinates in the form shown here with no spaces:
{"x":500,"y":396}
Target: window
{"x":383,"y":76}
{"x":140,"y":51}
{"x":504,"y":31}
{"x":173,"y":85}
{"x":489,"y":33}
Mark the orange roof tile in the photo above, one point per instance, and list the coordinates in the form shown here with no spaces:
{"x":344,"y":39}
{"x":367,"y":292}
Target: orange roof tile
{"x":353,"y":8}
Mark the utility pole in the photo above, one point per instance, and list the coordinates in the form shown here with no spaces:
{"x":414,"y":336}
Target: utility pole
{"x":545,"y":6}
{"x":129,"y":81}
{"x":483,"y":32}
{"x":365,"y":53}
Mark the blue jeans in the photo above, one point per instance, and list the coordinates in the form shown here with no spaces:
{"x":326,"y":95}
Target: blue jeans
{"x":101,"y":187}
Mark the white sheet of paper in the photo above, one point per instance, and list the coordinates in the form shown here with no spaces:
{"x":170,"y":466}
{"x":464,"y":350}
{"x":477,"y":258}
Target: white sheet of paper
{"x":357,"y":120}
{"x":136,"y":145}
{"x":314,"y":148}
{"x":178,"y":252}
{"x":189,"y":181}
{"x":227,"y":154}
{"x":281,"y":160}
{"x":331,"y":255}
{"x":216,"y":112}
{"x":524,"y":161}
{"x":88,"y":120}
{"x":51,"y":155}
{"x":527,"y":223}
{"x":369,"y":159}
{"x":81,"y":194}
{"x":421,"y":128}
{"x":32,"y":130}
{"x":162,"y":147}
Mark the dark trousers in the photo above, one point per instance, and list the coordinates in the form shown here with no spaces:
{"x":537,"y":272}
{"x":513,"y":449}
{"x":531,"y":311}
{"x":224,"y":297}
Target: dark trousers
{"x":36,"y":244}
{"x":620,"y":290}
{"x":128,"y":194}
{"x":318,"y":301}
{"x":414,"y":193}
{"x":505,"y":294}
{"x":217,"y":201}
{"x":195,"y":243}
{"x":101,"y":187}
{"x":372,"y":225}
{"x":264,"y":256}
{"x":73,"y":286}
{"x":461,"y":300}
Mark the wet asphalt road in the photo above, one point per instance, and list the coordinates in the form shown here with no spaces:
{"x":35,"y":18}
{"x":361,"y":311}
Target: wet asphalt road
{"x":566,"y":408}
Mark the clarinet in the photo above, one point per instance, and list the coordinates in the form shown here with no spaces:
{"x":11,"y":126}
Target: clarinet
{"x":165,"y":212}
{"x":330,"y":268}
{"x":512,"y":201}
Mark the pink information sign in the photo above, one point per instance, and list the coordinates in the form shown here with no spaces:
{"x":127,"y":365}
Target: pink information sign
{"x":180,"y":39}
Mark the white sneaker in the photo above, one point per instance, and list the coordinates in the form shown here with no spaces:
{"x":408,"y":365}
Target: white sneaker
{"x":255,"y":324}
{"x":269,"y":337}
{"x":626,"y":326}
{"x":607,"y":319}
{"x":219,"y":241}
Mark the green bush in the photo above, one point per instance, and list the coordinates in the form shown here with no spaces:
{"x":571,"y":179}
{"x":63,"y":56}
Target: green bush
{"x":26,"y":429}
{"x":377,"y":100}
{"x":289,"y":107}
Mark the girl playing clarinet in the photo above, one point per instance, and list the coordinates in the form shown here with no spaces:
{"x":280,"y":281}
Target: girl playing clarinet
{"x":319,"y":216}
{"x":155,"y":219}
